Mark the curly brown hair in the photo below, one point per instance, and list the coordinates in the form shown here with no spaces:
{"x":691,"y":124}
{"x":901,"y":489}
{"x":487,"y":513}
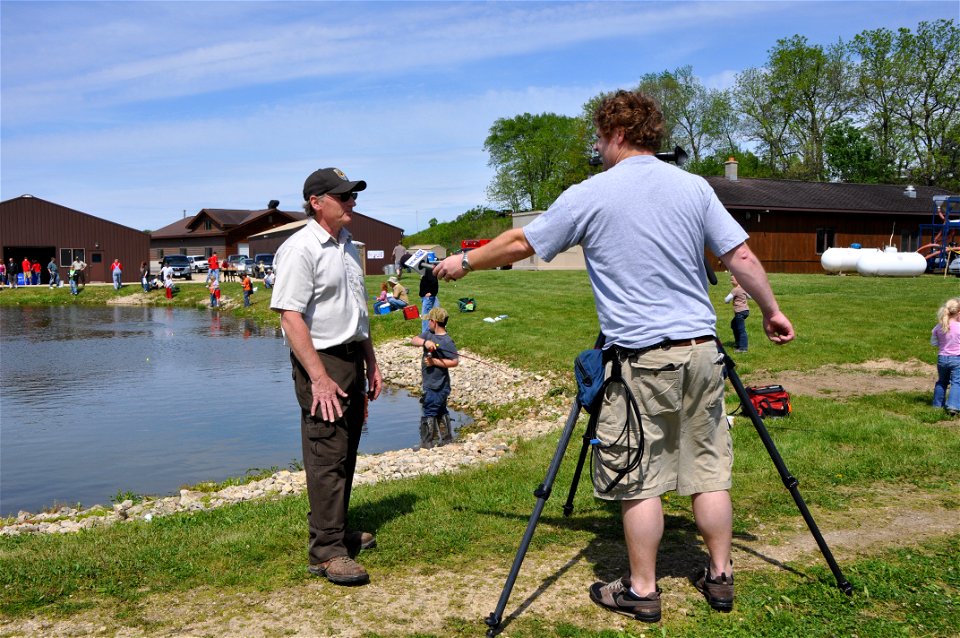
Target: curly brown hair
{"x":639,"y":116}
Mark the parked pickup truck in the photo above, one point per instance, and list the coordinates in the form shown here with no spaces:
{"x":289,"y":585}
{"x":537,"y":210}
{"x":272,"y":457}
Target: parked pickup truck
{"x":199,"y":263}
{"x":263,"y":258}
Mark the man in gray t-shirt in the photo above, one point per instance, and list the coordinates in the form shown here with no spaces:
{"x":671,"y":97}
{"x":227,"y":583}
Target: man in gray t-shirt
{"x":643,"y":226}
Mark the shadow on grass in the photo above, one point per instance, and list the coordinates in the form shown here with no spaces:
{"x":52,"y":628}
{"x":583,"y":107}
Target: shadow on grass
{"x":370,"y":516}
{"x":681,"y":555}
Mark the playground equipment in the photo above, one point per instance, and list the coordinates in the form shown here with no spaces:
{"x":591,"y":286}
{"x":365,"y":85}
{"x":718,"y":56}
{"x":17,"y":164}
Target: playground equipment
{"x":943,"y":232}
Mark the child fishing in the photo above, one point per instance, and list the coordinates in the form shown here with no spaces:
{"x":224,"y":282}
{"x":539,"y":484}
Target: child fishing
{"x":439,"y":355}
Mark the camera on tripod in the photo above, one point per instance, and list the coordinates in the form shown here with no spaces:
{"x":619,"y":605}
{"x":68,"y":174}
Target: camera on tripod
{"x":678,"y":156}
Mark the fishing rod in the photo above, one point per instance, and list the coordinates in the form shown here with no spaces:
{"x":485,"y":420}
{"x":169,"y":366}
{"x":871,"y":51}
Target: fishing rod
{"x":440,"y":350}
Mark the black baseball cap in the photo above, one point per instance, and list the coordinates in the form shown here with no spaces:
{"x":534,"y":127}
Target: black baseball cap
{"x":330,"y":180}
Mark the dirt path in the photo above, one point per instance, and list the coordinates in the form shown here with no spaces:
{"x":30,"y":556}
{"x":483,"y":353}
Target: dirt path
{"x":871,"y":377}
{"x":553,"y":582}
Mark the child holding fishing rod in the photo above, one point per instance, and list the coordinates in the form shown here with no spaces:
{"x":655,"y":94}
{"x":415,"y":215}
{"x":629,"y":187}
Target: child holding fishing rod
{"x":439,"y":355}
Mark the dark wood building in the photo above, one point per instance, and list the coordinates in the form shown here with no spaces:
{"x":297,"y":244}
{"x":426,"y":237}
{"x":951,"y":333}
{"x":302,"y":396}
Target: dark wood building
{"x":37,"y":229}
{"x":791,"y":223}
{"x":376,"y":237}
{"x":216,"y":230}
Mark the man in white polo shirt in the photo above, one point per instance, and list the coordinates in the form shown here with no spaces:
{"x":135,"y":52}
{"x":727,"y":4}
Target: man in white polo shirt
{"x":322,"y":301}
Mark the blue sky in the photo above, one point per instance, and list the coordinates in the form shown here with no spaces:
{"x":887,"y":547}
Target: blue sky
{"x":138,"y":111}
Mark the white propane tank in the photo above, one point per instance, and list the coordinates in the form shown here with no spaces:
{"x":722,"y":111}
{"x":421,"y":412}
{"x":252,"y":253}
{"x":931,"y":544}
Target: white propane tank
{"x":843,"y":259}
{"x":891,"y":263}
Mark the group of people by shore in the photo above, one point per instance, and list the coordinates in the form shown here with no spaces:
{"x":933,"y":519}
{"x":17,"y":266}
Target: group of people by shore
{"x":395,"y":296}
{"x":28,"y":273}
{"x":659,"y":339}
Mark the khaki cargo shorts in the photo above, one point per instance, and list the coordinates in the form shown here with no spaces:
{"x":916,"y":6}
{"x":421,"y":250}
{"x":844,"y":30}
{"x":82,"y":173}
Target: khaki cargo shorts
{"x":686,"y":437}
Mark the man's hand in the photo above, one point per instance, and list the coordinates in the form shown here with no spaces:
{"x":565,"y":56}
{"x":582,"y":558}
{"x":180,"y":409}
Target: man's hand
{"x":450,"y":268}
{"x":374,"y":383}
{"x":778,"y":328}
{"x":326,"y":395}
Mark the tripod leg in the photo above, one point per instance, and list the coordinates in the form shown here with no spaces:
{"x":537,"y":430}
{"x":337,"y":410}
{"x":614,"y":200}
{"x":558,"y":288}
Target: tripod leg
{"x":542,"y":493}
{"x":568,"y":506}
{"x":788,"y":480}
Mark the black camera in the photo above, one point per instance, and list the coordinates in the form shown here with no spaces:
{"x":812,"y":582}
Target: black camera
{"x":678,"y":156}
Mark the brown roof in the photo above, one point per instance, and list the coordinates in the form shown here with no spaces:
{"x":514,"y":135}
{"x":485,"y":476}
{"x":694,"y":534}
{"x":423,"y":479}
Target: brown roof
{"x":223,"y":221}
{"x":785,"y":194}
{"x":176,"y":229}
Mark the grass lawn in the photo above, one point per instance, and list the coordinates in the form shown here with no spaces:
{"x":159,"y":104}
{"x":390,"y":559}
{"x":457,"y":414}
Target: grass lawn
{"x":856,"y":457}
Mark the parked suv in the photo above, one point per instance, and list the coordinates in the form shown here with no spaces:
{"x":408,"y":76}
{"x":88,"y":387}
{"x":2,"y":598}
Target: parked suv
{"x":180,"y":264}
{"x":199,"y":263}
{"x":266,"y":259}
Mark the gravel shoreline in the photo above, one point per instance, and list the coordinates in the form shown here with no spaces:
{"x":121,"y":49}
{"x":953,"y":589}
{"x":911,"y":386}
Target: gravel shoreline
{"x":475,"y":382}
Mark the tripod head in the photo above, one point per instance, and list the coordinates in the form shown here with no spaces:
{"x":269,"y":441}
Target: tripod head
{"x":678,"y":156}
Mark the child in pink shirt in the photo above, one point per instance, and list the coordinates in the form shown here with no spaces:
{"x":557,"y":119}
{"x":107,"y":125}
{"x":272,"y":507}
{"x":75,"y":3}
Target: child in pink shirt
{"x":946,"y":337}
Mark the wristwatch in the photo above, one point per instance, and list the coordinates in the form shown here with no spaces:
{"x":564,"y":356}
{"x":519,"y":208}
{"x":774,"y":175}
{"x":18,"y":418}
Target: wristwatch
{"x":465,"y":263}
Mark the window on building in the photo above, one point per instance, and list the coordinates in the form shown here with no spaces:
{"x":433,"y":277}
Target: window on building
{"x":909,"y":241}
{"x":97,"y":258}
{"x":68,"y":255}
{"x":207,"y":224}
{"x":825,"y":239}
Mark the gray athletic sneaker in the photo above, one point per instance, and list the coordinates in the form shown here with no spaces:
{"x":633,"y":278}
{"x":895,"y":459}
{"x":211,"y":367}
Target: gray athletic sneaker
{"x":616,"y":597}
{"x":718,"y":591}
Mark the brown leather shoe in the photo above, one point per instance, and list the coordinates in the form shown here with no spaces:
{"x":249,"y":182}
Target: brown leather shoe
{"x":341,"y":570}
{"x":357,"y":541}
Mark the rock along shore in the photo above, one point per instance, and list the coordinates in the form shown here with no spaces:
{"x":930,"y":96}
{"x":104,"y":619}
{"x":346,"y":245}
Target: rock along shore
{"x":475,"y":383}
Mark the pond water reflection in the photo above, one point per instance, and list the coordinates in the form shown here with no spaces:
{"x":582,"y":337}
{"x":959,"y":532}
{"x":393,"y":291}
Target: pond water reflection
{"x":96,"y":400}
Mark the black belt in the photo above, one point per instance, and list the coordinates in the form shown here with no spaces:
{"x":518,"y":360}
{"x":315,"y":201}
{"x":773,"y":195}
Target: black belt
{"x":343,"y":351}
{"x":663,"y":345}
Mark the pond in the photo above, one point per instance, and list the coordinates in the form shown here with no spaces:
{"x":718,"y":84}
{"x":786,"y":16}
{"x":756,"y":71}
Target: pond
{"x":94,"y":401}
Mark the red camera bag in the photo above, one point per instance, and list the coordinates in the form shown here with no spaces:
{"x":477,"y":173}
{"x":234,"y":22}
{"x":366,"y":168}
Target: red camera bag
{"x":770,"y":400}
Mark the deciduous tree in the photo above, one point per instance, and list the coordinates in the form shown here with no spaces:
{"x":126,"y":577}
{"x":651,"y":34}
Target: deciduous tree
{"x":536,"y":157}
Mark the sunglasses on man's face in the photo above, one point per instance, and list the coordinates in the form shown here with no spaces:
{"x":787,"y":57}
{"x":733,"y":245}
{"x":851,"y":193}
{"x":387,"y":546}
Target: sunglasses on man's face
{"x":344,"y":197}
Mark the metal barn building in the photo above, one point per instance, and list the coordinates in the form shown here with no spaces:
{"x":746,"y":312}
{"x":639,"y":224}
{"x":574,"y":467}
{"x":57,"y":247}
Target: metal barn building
{"x":38,"y":230}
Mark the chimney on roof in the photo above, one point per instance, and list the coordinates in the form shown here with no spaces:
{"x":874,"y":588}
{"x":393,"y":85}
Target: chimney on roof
{"x":730,"y":169}
{"x":272,"y":204}
{"x":910,"y":192}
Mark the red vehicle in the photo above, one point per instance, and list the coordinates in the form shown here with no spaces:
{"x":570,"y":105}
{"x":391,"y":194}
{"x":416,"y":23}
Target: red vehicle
{"x":469,"y":244}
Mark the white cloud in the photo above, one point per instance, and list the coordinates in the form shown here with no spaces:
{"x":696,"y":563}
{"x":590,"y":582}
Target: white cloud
{"x":108,"y":63}
{"x":418,"y":154}
{"x":138,"y":110}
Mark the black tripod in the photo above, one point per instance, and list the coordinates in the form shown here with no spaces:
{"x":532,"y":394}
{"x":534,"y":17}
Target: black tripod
{"x":543,"y":492}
